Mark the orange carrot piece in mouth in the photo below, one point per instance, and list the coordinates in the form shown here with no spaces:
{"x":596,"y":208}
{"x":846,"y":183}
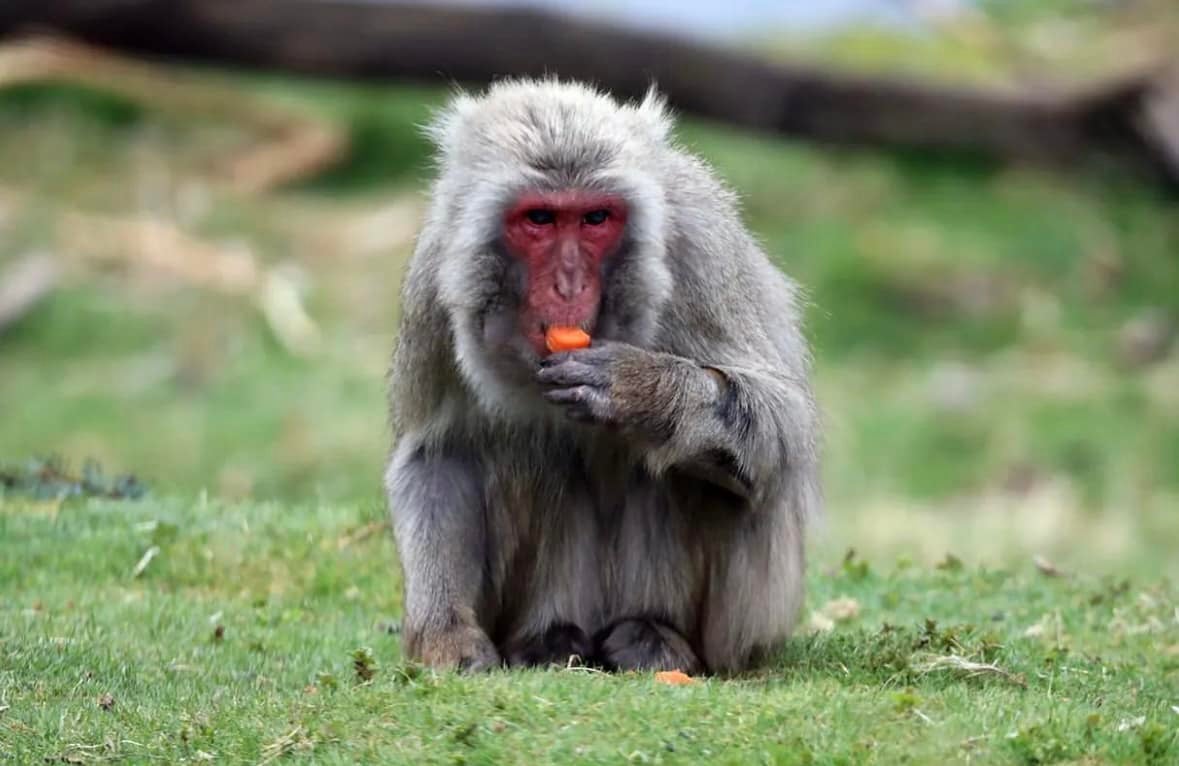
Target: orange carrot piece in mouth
{"x":565,"y":339}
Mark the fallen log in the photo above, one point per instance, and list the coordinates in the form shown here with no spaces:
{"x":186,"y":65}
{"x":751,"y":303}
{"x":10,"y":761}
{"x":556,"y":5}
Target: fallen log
{"x":1132,"y":120}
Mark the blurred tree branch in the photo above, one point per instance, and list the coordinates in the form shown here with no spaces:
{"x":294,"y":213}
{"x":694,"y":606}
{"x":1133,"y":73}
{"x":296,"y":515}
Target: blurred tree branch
{"x":1134,"y":119}
{"x":24,"y":284}
{"x":292,"y":145}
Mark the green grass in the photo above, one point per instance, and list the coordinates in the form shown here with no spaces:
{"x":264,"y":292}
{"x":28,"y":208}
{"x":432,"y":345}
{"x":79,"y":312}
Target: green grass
{"x":240,"y":640}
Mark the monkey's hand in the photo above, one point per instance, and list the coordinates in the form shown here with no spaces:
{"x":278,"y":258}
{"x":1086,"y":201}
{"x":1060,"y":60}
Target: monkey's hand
{"x":643,"y":392}
{"x":743,"y":429}
{"x":666,"y":404}
{"x":458,"y":646}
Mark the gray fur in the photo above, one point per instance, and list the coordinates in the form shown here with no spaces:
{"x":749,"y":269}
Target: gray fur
{"x":683,"y":494}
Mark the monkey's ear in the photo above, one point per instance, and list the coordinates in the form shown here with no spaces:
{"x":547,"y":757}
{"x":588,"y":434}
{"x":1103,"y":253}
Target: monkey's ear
{"x":653,"y":113}
{"x":443,"y":128}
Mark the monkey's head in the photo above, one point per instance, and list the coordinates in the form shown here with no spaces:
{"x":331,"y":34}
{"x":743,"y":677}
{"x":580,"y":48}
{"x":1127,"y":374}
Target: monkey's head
{"x":547,"y":211}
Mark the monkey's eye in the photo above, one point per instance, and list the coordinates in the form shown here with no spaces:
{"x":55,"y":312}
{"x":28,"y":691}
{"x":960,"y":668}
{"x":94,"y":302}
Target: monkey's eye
{"x":596,"y":217}
{"x":540,"y":217}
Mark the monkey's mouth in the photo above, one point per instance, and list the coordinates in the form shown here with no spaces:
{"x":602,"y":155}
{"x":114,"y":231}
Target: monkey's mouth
{"x":586,"y":326}
{"x":538,"y":336}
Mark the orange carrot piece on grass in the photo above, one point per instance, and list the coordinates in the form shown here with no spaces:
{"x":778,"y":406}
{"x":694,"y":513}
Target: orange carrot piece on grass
{"x":674,"y":678}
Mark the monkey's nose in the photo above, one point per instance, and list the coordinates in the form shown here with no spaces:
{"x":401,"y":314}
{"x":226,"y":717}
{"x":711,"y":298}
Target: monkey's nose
{"x":570,"y":283}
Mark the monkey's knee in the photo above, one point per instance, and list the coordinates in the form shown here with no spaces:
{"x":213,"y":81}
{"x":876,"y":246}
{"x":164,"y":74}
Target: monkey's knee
{"x":644,"y":644}
{"x":556,"y":646}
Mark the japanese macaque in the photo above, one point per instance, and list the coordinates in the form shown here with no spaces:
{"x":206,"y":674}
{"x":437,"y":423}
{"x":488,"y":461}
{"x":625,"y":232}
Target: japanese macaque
{"x":637,"y":504}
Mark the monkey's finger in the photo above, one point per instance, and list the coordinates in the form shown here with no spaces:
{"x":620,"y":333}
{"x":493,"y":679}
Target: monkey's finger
{"x":555,"y":358}
{"x":573,"y":395}
{"x":572,"y":373}
{"x":600,"y":350}
{"x":583,"y":403}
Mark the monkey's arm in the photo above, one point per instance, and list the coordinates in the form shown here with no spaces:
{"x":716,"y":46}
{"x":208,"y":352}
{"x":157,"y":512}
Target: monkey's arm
{"x":746,"y":429}
{"x":436,"y":503}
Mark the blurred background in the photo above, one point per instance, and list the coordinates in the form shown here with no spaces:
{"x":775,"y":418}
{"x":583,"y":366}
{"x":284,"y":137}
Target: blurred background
{"x":206,"y":207}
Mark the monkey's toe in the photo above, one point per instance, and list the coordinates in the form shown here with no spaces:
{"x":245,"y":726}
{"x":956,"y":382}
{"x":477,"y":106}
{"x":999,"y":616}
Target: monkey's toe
{"x":483,"y":659}
{"x":553,"y":647}
{"x":644,"y":644}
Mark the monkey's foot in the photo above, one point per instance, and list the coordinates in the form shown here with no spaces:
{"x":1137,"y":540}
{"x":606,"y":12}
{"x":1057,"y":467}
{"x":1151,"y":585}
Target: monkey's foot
{"x":554,"y":647}
{"x":643,"y":644}
{"x":461,"y":647}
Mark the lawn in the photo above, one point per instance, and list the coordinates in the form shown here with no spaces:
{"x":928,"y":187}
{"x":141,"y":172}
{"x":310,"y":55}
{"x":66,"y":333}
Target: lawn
{"x":983,"y":408}
{"x":260,"y":630}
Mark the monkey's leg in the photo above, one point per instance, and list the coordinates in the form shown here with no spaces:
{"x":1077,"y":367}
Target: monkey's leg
{"x":644,"y":644}
{"x":553,"y":647}
{"x":755,"y":594}
{"x":436,"y":504}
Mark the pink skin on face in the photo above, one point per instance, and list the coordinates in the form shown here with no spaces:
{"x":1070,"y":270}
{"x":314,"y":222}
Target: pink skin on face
{"x":563,"y":238}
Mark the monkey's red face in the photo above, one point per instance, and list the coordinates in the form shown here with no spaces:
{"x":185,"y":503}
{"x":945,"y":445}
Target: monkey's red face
{"x":563,"y":239}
